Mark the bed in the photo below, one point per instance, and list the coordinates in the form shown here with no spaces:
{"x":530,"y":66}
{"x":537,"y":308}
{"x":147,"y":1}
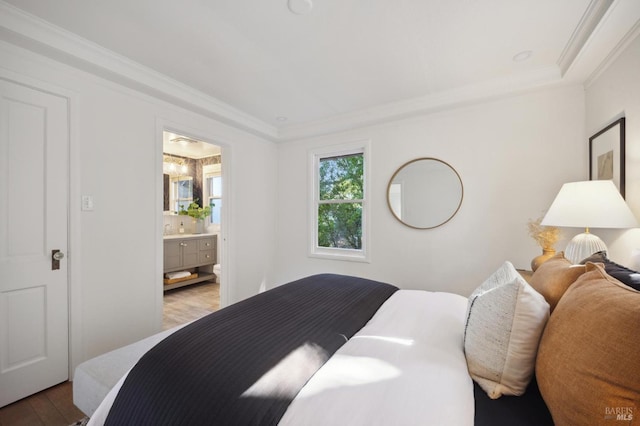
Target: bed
{"x":332,"y":349}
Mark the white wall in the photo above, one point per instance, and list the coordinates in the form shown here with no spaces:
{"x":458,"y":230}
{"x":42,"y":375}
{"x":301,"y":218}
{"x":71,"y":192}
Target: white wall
{"x":512,"y":155}
{"x":116,"y":254}
{"x":613,"y":94}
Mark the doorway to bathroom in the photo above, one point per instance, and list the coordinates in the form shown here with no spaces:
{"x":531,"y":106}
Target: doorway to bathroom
{"x":192,"y":219}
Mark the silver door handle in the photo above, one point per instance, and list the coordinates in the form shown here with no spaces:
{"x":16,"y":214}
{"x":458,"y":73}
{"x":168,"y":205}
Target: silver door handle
{"x":56,"y":256}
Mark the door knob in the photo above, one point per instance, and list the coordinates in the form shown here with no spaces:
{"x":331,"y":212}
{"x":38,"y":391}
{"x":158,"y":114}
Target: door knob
{"x":56,"y":257}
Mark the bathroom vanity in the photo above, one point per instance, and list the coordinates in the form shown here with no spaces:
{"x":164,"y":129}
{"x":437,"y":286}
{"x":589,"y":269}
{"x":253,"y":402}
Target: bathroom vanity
{"x":192,"y":252}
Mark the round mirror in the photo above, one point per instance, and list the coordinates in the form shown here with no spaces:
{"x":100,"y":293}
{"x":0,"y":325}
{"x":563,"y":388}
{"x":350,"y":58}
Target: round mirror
{"x":425,"y":193}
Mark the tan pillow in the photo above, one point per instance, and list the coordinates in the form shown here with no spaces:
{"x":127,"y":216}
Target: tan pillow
{"x":588,"y":365}
{"x":554,"y":277}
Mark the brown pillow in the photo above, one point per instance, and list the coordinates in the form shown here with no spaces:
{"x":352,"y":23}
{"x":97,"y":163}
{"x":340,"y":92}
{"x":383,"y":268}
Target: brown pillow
{"x":554,"y":277}
{"x":588,"y":365}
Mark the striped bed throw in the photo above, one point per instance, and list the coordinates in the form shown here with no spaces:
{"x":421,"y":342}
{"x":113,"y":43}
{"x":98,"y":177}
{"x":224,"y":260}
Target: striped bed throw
{"x":244,"y":364}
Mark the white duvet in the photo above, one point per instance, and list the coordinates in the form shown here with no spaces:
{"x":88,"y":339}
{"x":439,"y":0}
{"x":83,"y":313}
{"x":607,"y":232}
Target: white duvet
{"x":405,"y":367}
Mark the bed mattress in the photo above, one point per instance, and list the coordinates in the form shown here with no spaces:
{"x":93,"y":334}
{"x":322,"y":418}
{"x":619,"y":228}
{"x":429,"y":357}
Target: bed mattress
{"x":405,"y":366}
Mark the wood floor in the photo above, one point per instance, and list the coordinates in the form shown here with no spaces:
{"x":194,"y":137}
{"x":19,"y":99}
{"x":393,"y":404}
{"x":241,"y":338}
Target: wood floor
{"x":54,"y":406}
{"x":186,"y":304}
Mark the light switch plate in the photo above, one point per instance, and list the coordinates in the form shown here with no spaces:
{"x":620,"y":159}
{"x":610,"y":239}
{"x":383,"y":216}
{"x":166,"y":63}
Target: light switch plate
{"x":87,"y":203}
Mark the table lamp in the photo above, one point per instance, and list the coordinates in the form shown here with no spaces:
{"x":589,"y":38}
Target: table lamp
{"x":588,"y":204}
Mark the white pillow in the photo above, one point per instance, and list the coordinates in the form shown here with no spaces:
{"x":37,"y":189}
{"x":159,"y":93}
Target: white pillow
{"x":505,"y":320}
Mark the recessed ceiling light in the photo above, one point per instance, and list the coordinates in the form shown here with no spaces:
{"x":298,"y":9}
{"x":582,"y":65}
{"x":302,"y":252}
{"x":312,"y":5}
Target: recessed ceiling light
{"x":522,"y":56}
{"x":281,"y":118}
{"x":300,"y":7}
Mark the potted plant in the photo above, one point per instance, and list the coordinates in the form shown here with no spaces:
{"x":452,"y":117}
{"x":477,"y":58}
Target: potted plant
{"x":198,"y":214}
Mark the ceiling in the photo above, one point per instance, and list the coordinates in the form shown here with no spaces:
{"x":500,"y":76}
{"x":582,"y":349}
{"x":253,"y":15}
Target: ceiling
{"x":183,"y":146}
{"x":343,"y":59}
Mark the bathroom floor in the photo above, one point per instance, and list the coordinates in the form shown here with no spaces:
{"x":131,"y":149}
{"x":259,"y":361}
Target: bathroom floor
{"x":188,"y":303}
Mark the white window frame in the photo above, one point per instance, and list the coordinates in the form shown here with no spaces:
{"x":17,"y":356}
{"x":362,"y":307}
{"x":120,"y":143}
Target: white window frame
{"x":173,"y":195}
{"x":315,"y":155}
{"x":212,"y":170}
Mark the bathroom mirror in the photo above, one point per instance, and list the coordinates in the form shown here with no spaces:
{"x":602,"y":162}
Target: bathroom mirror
{"x":425,"y":193}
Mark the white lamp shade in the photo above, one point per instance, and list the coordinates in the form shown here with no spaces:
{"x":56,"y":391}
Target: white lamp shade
{"x":590,"y":204}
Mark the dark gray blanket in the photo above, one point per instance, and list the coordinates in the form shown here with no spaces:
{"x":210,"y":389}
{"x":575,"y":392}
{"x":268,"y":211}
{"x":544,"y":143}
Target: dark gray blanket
{"x":244,"y":364}
{"x":528,"y":409}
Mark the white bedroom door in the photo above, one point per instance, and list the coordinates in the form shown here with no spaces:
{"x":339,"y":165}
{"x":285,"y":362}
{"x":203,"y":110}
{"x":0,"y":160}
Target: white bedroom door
{"x":34,"y":317}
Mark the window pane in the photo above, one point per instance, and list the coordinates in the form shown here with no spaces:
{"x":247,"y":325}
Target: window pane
{"x":185,"y":188}
{"x":340,"y":225}
{"x":341,"y":178}
{"x":216,"y":205}
{"x":216,"y":188}
{"x":182,"y":205}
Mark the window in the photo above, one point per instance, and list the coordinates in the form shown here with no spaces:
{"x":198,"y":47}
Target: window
{"x":213,"y":191}
{"x":181,"y":194}
{"x":339,"y":205}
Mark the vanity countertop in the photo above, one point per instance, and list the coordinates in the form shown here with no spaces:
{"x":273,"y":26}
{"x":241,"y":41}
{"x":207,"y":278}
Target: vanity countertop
{"x":185,"y":236}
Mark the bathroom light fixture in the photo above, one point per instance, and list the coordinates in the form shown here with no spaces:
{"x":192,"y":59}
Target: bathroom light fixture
{"x":183,"y":141}
{"x":174,"y":166}
{"x":588,"y":204}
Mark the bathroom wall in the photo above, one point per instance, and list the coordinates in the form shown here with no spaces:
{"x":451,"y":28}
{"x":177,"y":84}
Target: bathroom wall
{"x":195,"y":170}
{"x":172,"y":223}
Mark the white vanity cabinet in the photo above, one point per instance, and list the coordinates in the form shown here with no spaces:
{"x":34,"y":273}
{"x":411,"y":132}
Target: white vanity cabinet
{"x":195,"y":252}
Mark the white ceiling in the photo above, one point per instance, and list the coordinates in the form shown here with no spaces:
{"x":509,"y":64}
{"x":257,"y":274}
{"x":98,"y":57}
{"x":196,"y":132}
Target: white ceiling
{"x":184,"y":146}
{"x":346,"y":58}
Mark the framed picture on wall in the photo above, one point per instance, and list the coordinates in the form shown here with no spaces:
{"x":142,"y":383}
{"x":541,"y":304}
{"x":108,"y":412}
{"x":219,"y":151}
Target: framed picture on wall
{"x":606,"y":154}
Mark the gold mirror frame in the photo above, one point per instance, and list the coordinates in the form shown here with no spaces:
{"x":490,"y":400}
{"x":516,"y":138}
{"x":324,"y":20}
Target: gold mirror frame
{"x":452,"y":178}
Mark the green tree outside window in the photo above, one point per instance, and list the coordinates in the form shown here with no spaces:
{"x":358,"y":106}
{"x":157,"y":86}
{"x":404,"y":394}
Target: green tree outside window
{"x":341,"y":193}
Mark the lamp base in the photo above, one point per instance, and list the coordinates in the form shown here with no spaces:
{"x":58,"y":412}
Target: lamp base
{"x":582,"y":246}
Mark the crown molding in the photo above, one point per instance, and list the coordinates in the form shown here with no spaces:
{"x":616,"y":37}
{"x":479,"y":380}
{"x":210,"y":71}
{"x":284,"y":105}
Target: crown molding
{"x":623,"y":40}
{"x":605,"y":29}
{"x":33,"y":33}
{"x":458,"y":97}
{"x":589,"y":21}
{"x":613,"y":33}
